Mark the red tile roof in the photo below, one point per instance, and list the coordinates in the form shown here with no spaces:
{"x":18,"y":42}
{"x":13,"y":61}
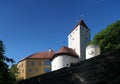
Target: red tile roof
{"x":65,"y":51}
{"x":38,"y":55}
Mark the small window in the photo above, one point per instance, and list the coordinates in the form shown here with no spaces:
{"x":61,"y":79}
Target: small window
{"x":76,"y":29}
{"x":85,"y":34}
{"x":32,"y":63}
{"x":47,"y":69}
{"x":22,"y":71}
{"x":47,"y":63}
{"x":29,"y":70}
{"x":67,"y":65}
{"x":36,"y":70}
{"x":39,"y":63}
{"x":87,"y":31}
{"x":22,"y":65}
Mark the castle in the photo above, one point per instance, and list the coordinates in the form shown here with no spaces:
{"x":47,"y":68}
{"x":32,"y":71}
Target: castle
{"x":43,"y":62}
{"x":78,"y":39}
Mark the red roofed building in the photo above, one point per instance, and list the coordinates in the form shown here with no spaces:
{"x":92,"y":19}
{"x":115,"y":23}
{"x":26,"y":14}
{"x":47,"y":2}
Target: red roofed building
{"x":64,"y":58}
{"x":35,"y":64}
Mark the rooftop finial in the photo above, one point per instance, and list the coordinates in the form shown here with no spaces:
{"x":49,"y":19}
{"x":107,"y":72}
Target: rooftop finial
{"x":50,"y":50}
{"x":82,"y":16}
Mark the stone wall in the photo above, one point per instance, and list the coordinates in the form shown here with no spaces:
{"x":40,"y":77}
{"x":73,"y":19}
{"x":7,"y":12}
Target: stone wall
{"x":102,"y":69}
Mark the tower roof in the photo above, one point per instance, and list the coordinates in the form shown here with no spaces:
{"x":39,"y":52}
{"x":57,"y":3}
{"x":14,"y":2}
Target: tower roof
{"x":82,"y":23}
{"x":65,"y":51}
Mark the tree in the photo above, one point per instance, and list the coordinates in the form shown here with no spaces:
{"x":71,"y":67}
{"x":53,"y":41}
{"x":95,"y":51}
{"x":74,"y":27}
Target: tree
{"x":14,"y":70}
{"x":2,"y":51}
{"x":109,"y":38}
{"x":6,"y":77}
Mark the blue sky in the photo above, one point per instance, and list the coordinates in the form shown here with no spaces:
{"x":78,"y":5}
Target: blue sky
{"x":30,"y":26}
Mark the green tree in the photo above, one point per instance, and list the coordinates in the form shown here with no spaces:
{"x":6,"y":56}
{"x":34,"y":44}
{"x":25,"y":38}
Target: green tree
{"x":109,"y":38}
{"x":6,"y":77}
{"x":14,"y":70}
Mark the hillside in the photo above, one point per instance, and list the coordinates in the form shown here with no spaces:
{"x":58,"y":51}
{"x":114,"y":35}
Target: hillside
{"x":103,"y":69}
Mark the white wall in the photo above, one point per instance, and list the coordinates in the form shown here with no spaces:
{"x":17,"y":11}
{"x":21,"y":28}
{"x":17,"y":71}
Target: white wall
{"x":74,"y":40}
{"x":63,"y":61}
{"x":92,"y":51}
{"x":78,"y":40}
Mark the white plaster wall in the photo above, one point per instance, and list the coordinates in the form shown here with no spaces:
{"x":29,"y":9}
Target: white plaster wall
{"x":57,"y":63}
{"x":78,"y":40}
{"x":63,"y":61}
{"x":92,"y":51}
{"x":74,"y":40}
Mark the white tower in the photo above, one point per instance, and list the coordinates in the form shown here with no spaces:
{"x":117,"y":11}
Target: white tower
{"x":78,"y":39}
{"x":64,"y":58}
{"x":92,"y":51}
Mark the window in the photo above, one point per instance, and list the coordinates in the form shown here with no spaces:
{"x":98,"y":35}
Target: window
{"x":22,"y":71}
{"x":32,"y":63}
{"x":36,"y":70}
{"x":39,"y":63}
{"x":67,"y":65}
{"x":21,"y":65}
{"x":85,"y":34}
{"x":47,"y":69}
{"x":86,"y":31}
{"x":29,"y":70}
{"x":47,"y":63}
{"x":76,"y":29}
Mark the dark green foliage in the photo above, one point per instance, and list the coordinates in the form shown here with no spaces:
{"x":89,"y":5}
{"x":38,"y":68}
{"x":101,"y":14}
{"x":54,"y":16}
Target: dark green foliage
{"x":109,"y":38}
{"x":2,"y":57}
{"x":14,"y":70}
{"x":6,"y":77}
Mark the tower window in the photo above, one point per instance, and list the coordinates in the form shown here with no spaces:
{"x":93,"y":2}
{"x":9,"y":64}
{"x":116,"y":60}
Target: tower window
{"x":76,"y":29}
{"x":87,"y":31}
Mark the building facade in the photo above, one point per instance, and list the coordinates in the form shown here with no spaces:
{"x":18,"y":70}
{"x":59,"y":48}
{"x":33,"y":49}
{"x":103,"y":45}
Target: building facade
{"x":78,"y":39}
{"x":34,"y":65}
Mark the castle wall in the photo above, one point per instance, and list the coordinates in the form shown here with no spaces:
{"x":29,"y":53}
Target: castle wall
{"x":63,"y":61}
